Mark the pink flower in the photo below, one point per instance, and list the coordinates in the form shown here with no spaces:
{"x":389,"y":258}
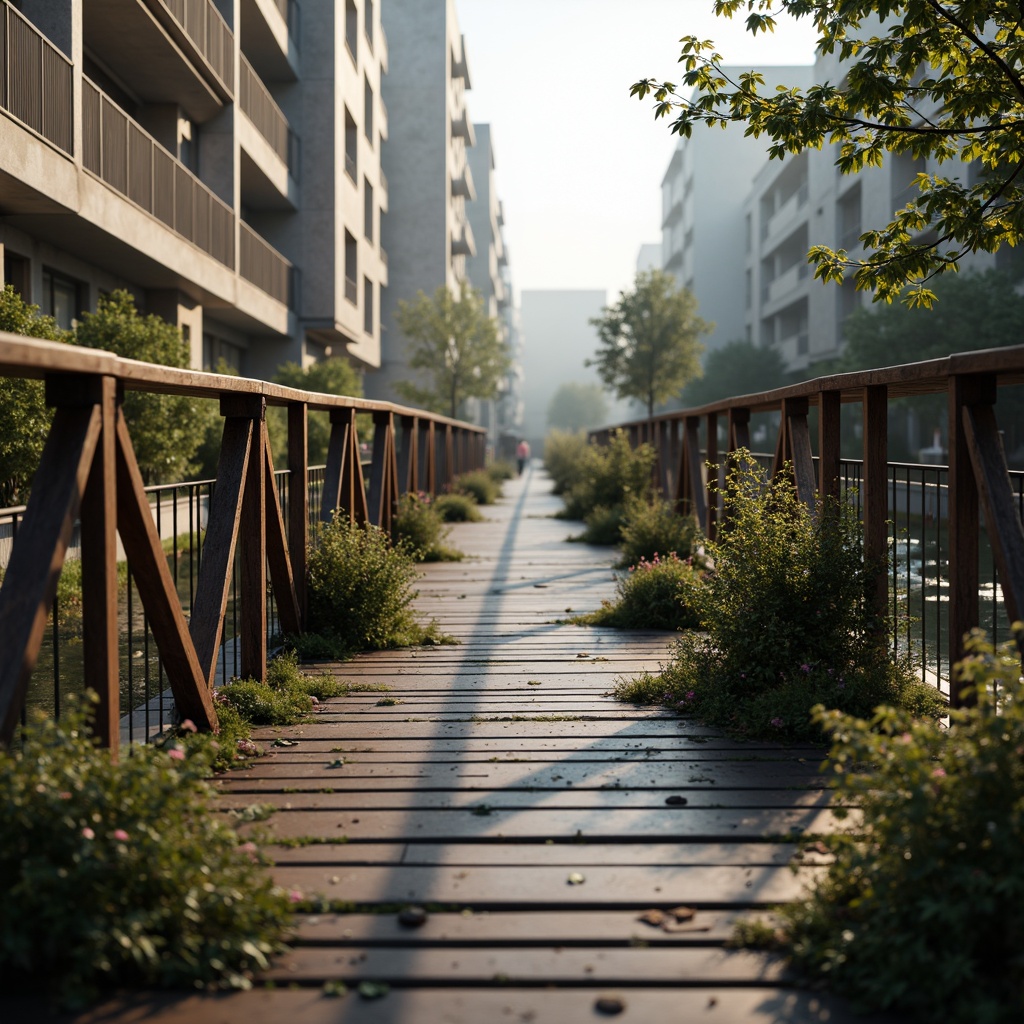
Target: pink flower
{"x":188,"y":726}
{"x":120,"y":835}
{"x":249,"y":849}
{"x":939,"y":773}
{"x":805,"y":667}
{"x":65,"y":795}
{"x":87,"y":833}
{"x":295,"y":896}
{"x":176,"y":754}
{"x":777,"y":722}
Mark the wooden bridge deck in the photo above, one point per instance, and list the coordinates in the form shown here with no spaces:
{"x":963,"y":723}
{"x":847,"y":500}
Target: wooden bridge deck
{"x":533,"y":816}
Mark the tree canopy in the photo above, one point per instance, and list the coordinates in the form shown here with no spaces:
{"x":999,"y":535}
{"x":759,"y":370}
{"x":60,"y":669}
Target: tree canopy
{"x":650,"y":340}
{"x":737,"y":368}
{"x":936,"y":79}
{"x":456,"y":347}
{"x":577,"y":406}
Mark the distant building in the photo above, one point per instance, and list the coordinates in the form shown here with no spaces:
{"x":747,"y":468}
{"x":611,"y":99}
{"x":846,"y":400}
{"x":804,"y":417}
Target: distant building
{"x":186,"y":153}
{"x":427,"y":233}
{"x":558,"y":339}
{"x":704,"y":224}
{"x":649,"y":256}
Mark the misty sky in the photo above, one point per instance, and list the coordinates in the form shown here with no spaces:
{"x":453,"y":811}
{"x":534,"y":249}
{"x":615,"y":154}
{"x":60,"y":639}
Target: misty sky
{"x":580,"y":163}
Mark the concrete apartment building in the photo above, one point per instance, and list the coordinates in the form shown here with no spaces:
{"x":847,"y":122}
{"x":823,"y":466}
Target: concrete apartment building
{"x":427,"y":234}
{"x":221,"y":160}
{"x":703,"y":228}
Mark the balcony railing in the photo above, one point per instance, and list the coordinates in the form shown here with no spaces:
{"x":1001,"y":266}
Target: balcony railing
{"x":120,"y":152}
{"x":262,"y":265}
{"x":208,"y":32}
{"x":259,"y":106}
{"x":35,"y":79}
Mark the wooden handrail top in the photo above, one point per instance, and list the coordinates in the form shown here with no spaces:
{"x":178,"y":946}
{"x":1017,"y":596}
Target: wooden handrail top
{"x":925,"y":378}
{"x":30,"y":357}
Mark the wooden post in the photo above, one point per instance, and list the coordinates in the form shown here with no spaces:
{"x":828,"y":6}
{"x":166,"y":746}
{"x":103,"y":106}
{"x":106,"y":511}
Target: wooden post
{"x":298,"y":499}
{"x":964,"y":524}
{"x":408,"y":470}
{"x":383,"y":471}
{"x":711,"y":461}
{"x":829,"y":457}
{"x":876,"y":491}
{"x":253,"y":526}
{"x":428,"y":459}
{"x":798,"y":448}
{"x":99,"y":572}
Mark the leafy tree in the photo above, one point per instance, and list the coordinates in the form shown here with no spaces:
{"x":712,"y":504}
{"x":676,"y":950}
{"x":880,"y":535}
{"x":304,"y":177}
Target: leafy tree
{"x":166,"y":430}
{"x":936,"y":79}
{"x":650,"y":345}
{"x":331,"y":377}
{"x":737,"y":368}
{"x":24,"y":417}
{"x":456,"y":346}
{"x":576,"y":406}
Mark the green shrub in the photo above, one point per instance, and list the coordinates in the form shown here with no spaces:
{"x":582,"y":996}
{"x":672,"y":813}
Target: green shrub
{"x":609,"y":476}
{"x":457,"y":508}
{"x":604,"y":525}
{"x":501,"y":470}
{"x":652,"y":595}
{"x":481,"y":485}
{"x":922,"y":910}
{"x":120,"y":875}
{"x":420,"y":528}
{"x":360,"y":590}
{"x":650,"y":528}
{"x":787,"y":625}
{"x":287,"y":697}
{"x":564,"y":453}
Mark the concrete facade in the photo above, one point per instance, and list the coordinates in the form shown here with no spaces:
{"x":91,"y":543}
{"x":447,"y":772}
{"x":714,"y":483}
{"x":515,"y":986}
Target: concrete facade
{"x":203,"y":170}
{"x":427,"y":233}
{"x":703,"y":216}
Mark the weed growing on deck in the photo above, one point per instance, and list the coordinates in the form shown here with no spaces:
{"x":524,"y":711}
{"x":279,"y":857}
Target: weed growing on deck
{"x":480,"y":485}
{"x":652,"y":595}
{"x":123,"y":875}
{"x":457,"y":508}
{"x":923,"y":908}
{"x":360,"y":589}
{"x":653,"y":527}
{"x":786,"y":620}
{"x":419,"y":526}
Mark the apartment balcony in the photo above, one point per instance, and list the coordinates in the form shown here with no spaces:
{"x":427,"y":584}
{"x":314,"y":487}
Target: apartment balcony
{"x":785,"y":283}
{"x":462,"y":184}
{"x":165,"y":51}
{"x":785,"y":217}
{"x":36,"y":80}
{"x":462,"y":128}
{"x":460,"y":66}
{"x":850,"y":238}
{"x":127,"y":158}
{"x":382,"y":51}
{"x":673,"y":214}
{"x":270,"y":32}
{"x":463,"y":243}
{"x":262,"y":265}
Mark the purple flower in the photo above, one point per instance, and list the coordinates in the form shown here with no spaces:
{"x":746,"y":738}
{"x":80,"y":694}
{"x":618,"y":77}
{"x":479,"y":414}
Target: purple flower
{"x":805,"y":668}
{"x":120,"y":835}
{"x":777,"y":722}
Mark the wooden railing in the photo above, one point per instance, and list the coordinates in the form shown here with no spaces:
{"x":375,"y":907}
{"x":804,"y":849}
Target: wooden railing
{"x":977,"y":483}
{"x":123,"y":154}
{"x":88,"y":473}
{"x":35,"y":79}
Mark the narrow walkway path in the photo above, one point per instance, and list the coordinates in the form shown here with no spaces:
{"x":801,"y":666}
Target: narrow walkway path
{"x":500,"y":787}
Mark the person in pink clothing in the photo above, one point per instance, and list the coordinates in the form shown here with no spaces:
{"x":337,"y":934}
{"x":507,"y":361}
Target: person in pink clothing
{"x":522,"y":454}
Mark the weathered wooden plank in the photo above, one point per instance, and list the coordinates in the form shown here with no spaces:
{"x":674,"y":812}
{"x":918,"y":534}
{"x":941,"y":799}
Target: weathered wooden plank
{"x":279,"y":562}
{"x":30,"y":582}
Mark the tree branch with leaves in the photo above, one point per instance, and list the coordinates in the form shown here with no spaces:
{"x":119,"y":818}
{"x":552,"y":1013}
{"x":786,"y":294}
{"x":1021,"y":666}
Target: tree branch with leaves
{"x":932,"y":79}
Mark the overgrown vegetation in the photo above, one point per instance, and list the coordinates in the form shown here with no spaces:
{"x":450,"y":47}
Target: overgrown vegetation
{"x":287,"y":697}
{"x":123,"y":875}
{"x":653,"y":528}
{"x":501,"y":470}
{"x":457,"y":508}
{"x":479,"y":485}
{"x":360,"y":592}
{"x":785,"y":620}
{"x":419,"y":527}
{"x":654,"y":594}
{"x":563,"y":451}
{"x":921,"y":910}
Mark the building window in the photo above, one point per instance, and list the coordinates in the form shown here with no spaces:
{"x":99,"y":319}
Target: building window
{"x":750,"y":288}
{"x":351,"y":146}
{"x":62,"y":298}
{"x":351,"y":268}
{"x":220,"y":355}
{"x":848,"y":218}
{"x":368,"y":109}
{"x":367,"y":305}
{"x":16,"y":274}
{"x":351,"y":28}
{"x":748,"y":226}
{"x":367,"y":210}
